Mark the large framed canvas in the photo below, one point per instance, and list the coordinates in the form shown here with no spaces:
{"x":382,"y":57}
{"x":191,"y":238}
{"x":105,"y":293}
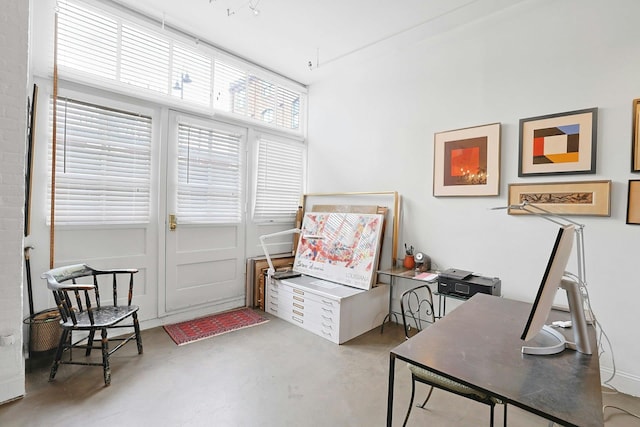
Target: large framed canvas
{"x":340,"y":247}
{"x":466,"y":162}
{"x":562,"y":143}
{"x":635,"y":143}
{"x":633,"y":202}
{"x":563,"y":198}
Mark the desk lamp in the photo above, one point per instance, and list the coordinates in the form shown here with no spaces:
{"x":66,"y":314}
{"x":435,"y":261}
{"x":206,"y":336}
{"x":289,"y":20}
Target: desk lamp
{"x":271,"y":270}
{"x":561,"y":221}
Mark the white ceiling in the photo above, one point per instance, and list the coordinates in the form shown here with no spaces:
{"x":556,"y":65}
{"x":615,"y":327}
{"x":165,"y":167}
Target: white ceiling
{"x":288,"y":34}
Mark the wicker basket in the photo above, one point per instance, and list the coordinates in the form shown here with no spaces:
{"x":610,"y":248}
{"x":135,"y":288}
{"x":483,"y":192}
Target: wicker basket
{"x":44,"y":330}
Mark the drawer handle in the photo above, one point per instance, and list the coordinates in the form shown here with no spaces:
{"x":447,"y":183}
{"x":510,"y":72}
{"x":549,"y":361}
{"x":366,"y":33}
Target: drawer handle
{"x":298,"y":313}
{"x":327,"y":326}
{"x":297,"y":320}
{"x":298,"y":298}
{"x":299,"y":306}
{"x":327,"y":310}
{"x":326,"y":333}
{"x":328,"y":302}
{"x":298,"y":291}
{"x":329,"y":319}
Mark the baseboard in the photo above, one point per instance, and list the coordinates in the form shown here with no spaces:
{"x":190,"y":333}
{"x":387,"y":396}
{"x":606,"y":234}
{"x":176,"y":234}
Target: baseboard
{"x":12,"y":389}
{"x":623,"y":382}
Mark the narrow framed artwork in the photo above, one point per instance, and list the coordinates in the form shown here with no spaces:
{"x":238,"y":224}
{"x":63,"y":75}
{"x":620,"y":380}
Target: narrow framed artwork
{"x":28,"y":184}
{"x":562,"y":143}
{"x":635,"y":142}
{"x":564,"y":198}
{"x":466,"y":162}
{"x":633,"y":202}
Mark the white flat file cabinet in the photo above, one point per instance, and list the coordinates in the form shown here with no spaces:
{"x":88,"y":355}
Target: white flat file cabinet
{"x":333,"y":311}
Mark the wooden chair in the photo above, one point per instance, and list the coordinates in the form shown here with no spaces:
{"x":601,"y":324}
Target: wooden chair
{"x":81,"y":310}
{"x":416,"y":305}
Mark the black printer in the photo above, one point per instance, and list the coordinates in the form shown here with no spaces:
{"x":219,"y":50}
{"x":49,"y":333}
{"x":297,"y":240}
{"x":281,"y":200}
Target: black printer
{"x":465,"y":284}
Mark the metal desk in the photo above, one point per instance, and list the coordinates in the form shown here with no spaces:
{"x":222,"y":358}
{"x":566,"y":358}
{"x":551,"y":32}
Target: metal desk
{"x":479,"y":344}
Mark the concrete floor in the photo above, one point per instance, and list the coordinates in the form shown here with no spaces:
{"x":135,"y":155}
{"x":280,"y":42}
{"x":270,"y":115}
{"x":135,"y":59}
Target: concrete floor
{"x":274,"y":374}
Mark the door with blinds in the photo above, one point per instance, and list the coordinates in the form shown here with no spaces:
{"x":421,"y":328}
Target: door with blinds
{"x":204,"y":231}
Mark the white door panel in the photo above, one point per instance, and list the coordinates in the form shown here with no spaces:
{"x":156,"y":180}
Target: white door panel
{"x":115,"y":247}
{"x":205,"y":251}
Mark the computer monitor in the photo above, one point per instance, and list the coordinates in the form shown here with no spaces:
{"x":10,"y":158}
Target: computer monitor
{"x":540,"y":338}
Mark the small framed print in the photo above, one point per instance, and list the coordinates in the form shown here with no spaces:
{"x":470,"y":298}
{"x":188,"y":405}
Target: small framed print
{"x":562,"y":143}
{"x":563,"y":198}
{"x":633,"y":202}
{"x":467,"y":161}
{"x":635,"y":143}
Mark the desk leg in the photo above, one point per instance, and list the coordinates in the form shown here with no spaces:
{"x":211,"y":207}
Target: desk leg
{"x":392,"y":364}
{"x":390,"y":313}
{"x":442,"y":306}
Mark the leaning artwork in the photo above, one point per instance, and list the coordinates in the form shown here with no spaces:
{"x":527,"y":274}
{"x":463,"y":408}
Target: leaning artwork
{"x":340,"y":247}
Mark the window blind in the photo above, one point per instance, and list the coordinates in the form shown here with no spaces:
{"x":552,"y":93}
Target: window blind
{"x":209,"y":175}
{"x":92,"y":41}
{"x":103,"y":165}
{"x":279,"y":178}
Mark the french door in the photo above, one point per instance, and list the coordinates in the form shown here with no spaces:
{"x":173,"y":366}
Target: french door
{"x":204,"y":232}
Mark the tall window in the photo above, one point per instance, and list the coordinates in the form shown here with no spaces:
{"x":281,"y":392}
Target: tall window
{"x":93,"y":42}
{"x":103,"y":165}
{"x":209,"y":175}
{"x":279,"y":178}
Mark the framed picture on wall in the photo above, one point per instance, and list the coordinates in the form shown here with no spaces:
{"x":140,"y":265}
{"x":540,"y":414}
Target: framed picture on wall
{"x":562,"y":143}
{"x":633,"y":202}
{"x":635,"y":140}
{"x":563,"y":198}
{"x":467,"y":161}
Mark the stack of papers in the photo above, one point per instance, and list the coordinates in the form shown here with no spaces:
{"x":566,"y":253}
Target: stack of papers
{"x":427,"y":277}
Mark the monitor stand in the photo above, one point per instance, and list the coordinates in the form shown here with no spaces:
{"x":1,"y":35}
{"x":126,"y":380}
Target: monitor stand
{"x":550,"y":341}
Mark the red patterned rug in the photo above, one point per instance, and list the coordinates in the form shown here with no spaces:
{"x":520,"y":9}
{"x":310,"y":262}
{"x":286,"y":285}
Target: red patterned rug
{"x":210,"y":326}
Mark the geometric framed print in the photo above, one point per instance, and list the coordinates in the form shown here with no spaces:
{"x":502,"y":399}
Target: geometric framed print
{"x":561,"y":143}
{"x":466,"y":162}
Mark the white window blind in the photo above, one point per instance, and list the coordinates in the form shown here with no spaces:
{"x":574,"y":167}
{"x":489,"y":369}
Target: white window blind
{"x":279,"y":179}
{"x":95,"y":42}
{"x":209,"y":175}
{"x":103,"y":165}
{"x":240,"y":92}
{"x":191,"y":75}
{"x":87,"y":40}
{"x":144,"y":59}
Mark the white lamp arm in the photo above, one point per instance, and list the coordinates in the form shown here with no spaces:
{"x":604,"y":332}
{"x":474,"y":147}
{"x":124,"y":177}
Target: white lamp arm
{"x":264,"y":237}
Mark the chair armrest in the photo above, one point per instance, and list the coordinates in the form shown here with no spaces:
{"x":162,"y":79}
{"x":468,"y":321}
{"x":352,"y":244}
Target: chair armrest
{"x":70,"y":286}
{"x":117,"y":271}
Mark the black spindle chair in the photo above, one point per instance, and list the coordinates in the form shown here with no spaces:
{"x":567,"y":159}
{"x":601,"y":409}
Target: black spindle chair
{"x":81,"y":310}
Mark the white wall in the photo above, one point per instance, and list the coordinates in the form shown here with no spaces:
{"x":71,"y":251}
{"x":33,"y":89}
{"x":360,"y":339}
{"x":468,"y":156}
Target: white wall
{"x":371,"y":129}
{"x":14,"y":42}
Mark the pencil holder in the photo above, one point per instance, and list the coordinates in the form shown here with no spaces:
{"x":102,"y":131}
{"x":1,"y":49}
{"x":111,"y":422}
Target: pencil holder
{"x":409,"y":262}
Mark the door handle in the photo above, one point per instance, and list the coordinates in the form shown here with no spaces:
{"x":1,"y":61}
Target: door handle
{"x":173,"y":222}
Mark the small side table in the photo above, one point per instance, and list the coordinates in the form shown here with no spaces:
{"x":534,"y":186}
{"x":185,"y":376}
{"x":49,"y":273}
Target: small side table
{"x":402,"y":273}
